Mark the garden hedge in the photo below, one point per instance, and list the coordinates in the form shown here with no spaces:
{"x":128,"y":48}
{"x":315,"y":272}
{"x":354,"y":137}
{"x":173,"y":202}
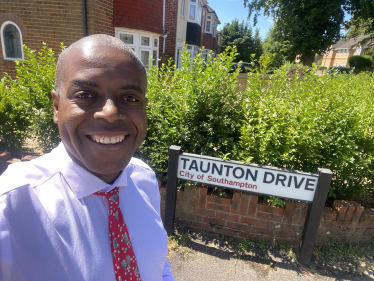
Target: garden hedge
{"x":292,"y":119}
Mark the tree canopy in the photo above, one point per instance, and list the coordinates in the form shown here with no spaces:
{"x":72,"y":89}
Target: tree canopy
{"x":311,"y":26}
{"x":241,"y":35}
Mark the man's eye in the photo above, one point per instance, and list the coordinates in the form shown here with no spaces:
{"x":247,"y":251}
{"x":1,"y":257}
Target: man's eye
{"x":129,"y":98}
{"x":84,"y":96}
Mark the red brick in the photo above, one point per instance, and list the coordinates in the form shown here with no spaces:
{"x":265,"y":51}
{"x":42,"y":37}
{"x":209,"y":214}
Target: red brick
{"x":227,"y":216}
{"x":214,"y":221}
{"x":341,"y":208}
{"x":245,"y":234}
{"x":366,"y":224}
{"x":270,"y":217}
{"x":202,"y":201}
{"x":204,"y":212}
{"x":202,"y":225}
{"x":330,"y":224}
{"x":262,"y":230}
{"x":227,"y":231}
{"x":236,"y":196}
{"x":217,"y":207}
{"x":357,"y":215}
{"x":236,"y":225}
{"x":289,"y":208}
{"x":329,"y":214}
{"x":244,"y":200}
{"x":266,"y":208}
{"x":289,"y":234}
{"x":253,"y":201}
{"x":252,"y":221}
{"x":349,"y":214}
{"x":203,"y":190}
{"x":300,"y":205}
{"x":219,"y":200}
{"x":268,"y":238}
{"x":199,"y":217}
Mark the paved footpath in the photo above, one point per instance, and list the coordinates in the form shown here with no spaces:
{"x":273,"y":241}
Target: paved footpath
{"x":208,"y":262}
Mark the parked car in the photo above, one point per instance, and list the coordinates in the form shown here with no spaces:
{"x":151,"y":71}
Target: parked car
{"x":244,"y":67}
{"x":339,"y":70}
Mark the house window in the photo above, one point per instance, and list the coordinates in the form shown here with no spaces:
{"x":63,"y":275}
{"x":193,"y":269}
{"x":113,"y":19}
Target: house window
{"x":336,"y":64}
{"x":182,"y":8}
{"x":192,"y":15}
{"x":214,"y":28}
{"x":127,"y":38}
{"x":11,"y":40}
{"x":208,"y":24}
{"x":196,"y":8}
{"x":323,"y":63}
{"x":144,"y":44}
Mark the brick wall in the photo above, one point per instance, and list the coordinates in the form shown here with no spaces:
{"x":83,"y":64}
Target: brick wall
{"x":171,"y":16}
{"x":100,"y":17}
{"x":138,"y":14}
{"x":246,"y":216}
{"x":44,"y":21}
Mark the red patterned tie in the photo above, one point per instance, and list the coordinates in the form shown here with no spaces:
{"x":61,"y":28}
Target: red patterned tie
{"x":124,"y":261}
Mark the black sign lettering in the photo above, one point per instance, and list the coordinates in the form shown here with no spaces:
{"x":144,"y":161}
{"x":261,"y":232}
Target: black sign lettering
{"x":254,"y":178}
{"x":280,"y":178}
{"x":289,"y":181}
{"x":297,"y":185}
{"x":184,"y":162}
{"x":234,"y":173}
{"x":228,"y":169}
{"x":265,"y":177}
{"x":218,"y":171}
{"x":193,"y":166}
{"x":201,"y":167}
{"x":308,"y":183}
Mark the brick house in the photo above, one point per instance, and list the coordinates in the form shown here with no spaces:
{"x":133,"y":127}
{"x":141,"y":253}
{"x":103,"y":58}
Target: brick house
{"x":141,"y":24}
{"x":338,"y":54}
{"x":194,"y":23}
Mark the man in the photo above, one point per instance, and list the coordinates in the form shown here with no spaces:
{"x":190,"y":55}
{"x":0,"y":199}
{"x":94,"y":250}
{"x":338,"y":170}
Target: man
{"x":55,"y":217}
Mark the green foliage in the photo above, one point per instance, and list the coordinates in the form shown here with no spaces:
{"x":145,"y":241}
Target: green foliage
{"x":270,"y":62}
{"x":360,"y":61}
{"x":275,"y":201}
{"x":308,"y":27}
{"x":197,"y":107}
{"x":303,"y":121}
{"x":27,"y":99}
{"x":241,"y":35}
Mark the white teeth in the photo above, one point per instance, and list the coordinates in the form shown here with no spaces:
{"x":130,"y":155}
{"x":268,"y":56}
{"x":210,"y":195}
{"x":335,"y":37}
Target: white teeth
{"x":108,"y":140}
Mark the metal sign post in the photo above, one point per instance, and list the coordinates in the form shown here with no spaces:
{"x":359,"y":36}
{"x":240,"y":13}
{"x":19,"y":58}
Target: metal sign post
{"x":289,"y":184}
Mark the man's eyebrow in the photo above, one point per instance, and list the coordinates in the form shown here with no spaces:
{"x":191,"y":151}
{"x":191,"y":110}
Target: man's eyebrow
{"x":132,"y":87}
{"x":82,"y":82}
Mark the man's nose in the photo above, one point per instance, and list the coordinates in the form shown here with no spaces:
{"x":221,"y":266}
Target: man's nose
{"x":109,"y":112}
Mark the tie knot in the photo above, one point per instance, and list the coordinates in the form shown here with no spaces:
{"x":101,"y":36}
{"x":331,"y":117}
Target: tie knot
{"x":110,"y":195}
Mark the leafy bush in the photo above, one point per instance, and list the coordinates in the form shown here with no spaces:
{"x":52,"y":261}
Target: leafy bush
{"x":360,"y":61}
{"x":197,"y":107}
{"x":271,"y":61}
{"x":303,"y":122}
{"x":27,"y":101}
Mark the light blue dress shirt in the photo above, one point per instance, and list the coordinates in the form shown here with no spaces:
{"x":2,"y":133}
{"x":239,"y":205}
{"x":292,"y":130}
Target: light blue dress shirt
{"x":53,"y":228}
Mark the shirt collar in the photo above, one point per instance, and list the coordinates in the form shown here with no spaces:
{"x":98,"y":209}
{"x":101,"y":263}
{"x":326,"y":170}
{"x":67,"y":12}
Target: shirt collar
{"x":80,"y":181}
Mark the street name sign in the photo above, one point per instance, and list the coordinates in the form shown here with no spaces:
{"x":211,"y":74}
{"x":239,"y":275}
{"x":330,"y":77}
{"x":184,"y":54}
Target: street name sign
{"x":295,"y":185}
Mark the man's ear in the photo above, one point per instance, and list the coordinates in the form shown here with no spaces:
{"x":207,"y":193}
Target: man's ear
{"x":56,"y":100}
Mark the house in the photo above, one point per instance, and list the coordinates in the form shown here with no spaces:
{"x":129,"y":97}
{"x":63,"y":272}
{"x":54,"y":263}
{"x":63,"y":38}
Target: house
{"x":151,"y":28}
{"x":338,"y":54}
{"x":193,"y":23}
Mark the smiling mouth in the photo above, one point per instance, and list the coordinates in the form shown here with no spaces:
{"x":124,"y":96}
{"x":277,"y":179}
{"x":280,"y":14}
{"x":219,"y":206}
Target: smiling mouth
{"x":108,"y":140}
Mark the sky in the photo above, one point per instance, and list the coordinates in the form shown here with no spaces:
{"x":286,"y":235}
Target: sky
{"x":228,"y":10}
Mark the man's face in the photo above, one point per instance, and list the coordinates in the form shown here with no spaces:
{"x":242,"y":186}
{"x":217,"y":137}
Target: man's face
{"x":101,"y":109}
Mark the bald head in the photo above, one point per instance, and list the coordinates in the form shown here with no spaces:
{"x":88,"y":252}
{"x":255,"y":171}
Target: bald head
{"x":87,"y":46}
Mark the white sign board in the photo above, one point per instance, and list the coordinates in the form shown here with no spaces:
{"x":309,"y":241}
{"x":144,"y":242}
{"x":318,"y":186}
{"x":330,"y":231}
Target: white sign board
{"x":268,"y":181}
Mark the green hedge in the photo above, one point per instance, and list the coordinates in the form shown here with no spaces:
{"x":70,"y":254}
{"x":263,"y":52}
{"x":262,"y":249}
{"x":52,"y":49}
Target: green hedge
{"x":293,"y":119}
{"x":303,"y":122}
{"x":360,"y":61}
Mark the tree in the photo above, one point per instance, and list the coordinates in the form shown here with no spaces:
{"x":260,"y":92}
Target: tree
{"x":360,"y":61}
{"x":241,"y":35}
{"x":309,"y":26}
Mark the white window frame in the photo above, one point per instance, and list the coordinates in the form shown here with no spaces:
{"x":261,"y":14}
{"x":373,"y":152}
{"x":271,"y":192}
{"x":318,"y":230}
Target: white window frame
{"x":210,"y":20}
{"x":2,"y":41}
{"x":136,"y":46}
{"x":183,"y":8}
{"x":198,"y":11}
{"x":214,"y":28}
